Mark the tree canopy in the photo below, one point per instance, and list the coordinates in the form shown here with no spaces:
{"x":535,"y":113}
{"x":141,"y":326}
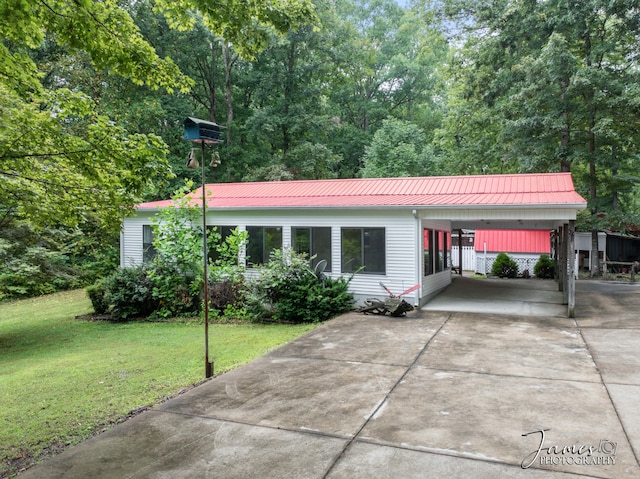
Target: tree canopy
{"x":61,"y":158}
{"x":548,"y":86}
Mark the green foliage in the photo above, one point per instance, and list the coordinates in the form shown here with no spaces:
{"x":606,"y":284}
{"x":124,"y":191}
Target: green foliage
{"x":176,"y":270}
{"x":52,"y":259}
{"x":175,"y":292}
{"x":66,"y":153}
{"x":35,"y":263}
{"x":397,"y":150}
{"x":227,"y":265}
{"x":97,"y":293}
{"x":504,"y":266}
{"x":226,"y":273}
{"x":171,"y":284}
{"x":547,"y":86}
{"x":545,"y":267}
{"x":312,"y":299}
{"x":94,"y":252}
{"x":53,"y":173}
{"x":129,"y":293}
{"x":287,"y":289}
{"x":241,"y":23}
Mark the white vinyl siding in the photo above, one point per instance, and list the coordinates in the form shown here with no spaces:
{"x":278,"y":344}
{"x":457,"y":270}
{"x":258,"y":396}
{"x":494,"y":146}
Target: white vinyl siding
{"x":401,"y":233}
{"x":131,"y":245}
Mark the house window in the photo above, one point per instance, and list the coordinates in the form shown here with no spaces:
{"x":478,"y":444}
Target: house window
{"x":440,"y":248}
{"x":446,"y":247}
{"x":436,"y":251}
{"x":428,"y":252}
{"x":314,"y":242}
{"x":363,"y":247}
{"x":224,"y":231}
{"x":261,"y":242}
{"x":148,"y":250}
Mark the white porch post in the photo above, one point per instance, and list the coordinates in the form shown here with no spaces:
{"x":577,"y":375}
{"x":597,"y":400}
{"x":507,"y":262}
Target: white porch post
{"x":565,"y":273}
{"x":571,"y":273}
{"x":562,"y":262}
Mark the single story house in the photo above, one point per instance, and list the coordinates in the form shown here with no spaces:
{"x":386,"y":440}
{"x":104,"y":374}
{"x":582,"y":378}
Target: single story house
{"x":391,"y":230}
{"x":523,"y":246}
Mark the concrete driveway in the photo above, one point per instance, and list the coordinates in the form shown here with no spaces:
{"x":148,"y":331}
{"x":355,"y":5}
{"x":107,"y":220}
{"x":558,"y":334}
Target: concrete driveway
{"x":436,"y":394}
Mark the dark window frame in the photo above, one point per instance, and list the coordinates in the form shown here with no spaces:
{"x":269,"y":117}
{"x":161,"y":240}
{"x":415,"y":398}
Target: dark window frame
{"x":225,"y":231}
{"x":365,"y":254}
{"x":314,"y":249}
{"x":436,"y":251}
{"x":148,"y":249}
{"x":264,"y":250}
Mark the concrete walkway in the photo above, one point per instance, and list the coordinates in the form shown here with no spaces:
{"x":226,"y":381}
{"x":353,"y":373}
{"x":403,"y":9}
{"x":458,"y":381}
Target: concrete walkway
{"x":436,"y":394}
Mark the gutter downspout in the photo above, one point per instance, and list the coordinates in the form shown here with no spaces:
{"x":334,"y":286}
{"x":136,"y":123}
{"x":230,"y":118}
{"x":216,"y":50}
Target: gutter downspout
{"x":419,"y":258}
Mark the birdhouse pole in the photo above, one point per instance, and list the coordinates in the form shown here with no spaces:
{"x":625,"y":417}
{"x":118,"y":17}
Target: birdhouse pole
{"x":203,"y":132}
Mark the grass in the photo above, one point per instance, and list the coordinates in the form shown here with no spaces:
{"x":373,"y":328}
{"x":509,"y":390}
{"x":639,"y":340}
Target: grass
{"x":63,"y":379}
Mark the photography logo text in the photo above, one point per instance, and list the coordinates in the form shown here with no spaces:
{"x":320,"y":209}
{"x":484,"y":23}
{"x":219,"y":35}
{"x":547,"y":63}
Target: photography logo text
{"x":601,"y":453}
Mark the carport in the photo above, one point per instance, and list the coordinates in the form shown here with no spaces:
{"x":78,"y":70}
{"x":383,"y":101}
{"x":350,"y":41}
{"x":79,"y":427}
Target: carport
{"x":520,"y":202}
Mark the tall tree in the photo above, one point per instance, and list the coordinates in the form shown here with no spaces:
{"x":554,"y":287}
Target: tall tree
{"x":60,"y":159}
{"x":398,"y":149}
{"x":557,"y":83}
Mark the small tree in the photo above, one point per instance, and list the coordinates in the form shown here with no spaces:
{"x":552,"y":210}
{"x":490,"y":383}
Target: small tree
{"x":176,"y":271}
{"x":171,"y":284}
{"x":226,"y":272}
{"x":545,"y":268}
{"x":504,"y":266}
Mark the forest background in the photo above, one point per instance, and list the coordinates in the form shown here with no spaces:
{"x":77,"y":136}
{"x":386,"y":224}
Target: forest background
{"x":93,"y":96}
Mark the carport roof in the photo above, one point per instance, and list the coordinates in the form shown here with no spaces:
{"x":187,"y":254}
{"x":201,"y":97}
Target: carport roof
{"x":454,"y":191}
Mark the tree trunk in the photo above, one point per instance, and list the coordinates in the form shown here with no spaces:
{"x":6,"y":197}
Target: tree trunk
{"x":229,"y":61}
{"x":212,"y":86}
{"x":565,"y":133}
{"x":594,"y":267}
{"x":288,"y":88}
{"x":614,"y":174}
{"x":593,"y":186}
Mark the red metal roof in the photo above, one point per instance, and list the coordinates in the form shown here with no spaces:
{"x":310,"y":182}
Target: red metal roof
{"x":484,"y":190}
{"x":513,"y":241}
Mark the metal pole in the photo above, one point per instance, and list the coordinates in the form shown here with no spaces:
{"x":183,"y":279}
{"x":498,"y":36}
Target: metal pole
{"x":460,"y":250}
{"x":208,"y":366}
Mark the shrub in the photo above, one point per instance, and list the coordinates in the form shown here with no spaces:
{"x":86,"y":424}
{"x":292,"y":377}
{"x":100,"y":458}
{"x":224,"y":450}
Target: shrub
{"x":287,"y":289}
{"x":223,"y":294}
{"x":176,"y":292}
{"x":504,"y":266}
{"x":545,"y":268}
{"x":177,"y":270}
{"x":129,"y":294}
{"x":97,"y":293}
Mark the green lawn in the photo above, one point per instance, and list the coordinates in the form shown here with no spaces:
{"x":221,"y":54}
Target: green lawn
{"x":62,"y":379}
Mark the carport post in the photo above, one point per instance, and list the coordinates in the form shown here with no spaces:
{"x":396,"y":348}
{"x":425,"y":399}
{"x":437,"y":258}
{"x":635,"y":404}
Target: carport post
{"x":571,"y":270}
{"x":565,"y":262}
{"x":562,"y":265}
{"x":556,"y":273}
{"x":460,"y":250}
